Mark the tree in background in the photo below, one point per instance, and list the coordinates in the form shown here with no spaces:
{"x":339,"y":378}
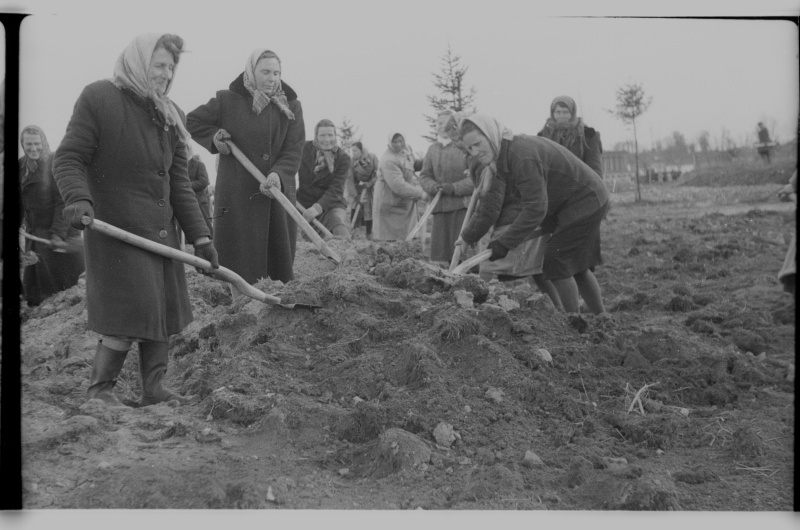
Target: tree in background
{"x":452,"y":92}
{"x":632,"y":103}
{"x":703,"y":141}
{"x":347,"y":135}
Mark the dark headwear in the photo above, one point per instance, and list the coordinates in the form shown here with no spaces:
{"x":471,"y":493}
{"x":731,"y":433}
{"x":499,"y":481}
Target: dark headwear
{"x":359,"y":145}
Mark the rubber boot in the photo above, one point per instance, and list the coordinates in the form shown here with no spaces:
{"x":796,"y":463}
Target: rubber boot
{"x":153,"y":360}
{"x":368,"y":225}
{"x":105,"y":369}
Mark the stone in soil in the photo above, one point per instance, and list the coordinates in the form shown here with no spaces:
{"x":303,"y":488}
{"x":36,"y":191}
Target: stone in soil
{"x":531,"y":459}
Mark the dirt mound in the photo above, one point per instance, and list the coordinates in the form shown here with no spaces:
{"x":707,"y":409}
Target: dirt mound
{"x":399,"y":385}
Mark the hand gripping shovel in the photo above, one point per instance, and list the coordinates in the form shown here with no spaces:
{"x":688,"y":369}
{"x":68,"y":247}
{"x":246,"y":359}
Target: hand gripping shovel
{"x":425,"y":216}
{"x":287,"y":205}
{"x":358,"y":208}
{"x":168,"y":252}
{"x":317,"y":223}
{"x":71,"y":245}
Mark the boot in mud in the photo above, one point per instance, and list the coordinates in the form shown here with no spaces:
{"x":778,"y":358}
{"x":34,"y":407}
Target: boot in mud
{"x":105,"y":369}
{"x":153,"y":360}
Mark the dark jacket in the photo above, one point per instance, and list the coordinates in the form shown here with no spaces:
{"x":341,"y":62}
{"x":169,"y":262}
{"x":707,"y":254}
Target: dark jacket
{"x":538,"y":183}
{"x":253,"y":234}
{"x":198,"y":176}
{"x":322,"y":187}
{"x":587,"y":147}
{"x":41,"y":207}
{"x":119,"y":154}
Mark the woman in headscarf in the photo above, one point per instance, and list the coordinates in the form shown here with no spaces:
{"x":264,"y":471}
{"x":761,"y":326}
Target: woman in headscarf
{"x":261,"y":115}
{"x":365,"y":175}
{"x":42,"y":207}
{"x":531,"y":182}
{"x":123,"y":159}
{"x":396,"y":192}
{"x":444,"y":169}
{"x":565,"y":128}
{"x":323,"y":171}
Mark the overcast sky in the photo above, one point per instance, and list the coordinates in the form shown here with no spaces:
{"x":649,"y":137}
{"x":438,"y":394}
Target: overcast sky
{"x":372,"y":62}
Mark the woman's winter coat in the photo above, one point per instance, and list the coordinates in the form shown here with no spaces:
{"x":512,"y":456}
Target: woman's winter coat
{"x":119,"y":154}
{"x":322,"y":187}
{"x":396,"y":191}
{"x":253,"y":234}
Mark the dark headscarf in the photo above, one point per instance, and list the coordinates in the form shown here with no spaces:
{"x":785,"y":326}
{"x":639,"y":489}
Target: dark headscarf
{"x":564,"y":133}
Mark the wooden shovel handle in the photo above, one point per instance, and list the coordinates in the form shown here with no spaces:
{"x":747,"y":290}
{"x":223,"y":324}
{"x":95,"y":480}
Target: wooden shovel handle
{"x":470,"y":208}
{"x":172,"y":253}
{"x":425,"y":215}
{"x":286,"y":203}
{"x":316,"y":222}
{"x":471,"y":262}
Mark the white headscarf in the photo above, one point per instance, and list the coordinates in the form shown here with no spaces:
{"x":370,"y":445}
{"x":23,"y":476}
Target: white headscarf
{"x":130,"y":71}
{"x":495,"y":132}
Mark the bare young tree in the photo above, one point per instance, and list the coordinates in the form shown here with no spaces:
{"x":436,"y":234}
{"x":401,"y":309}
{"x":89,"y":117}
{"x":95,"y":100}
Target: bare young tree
{"x":632,"y":103}
{"x":347,"y":135}
{"x":453,"y":94}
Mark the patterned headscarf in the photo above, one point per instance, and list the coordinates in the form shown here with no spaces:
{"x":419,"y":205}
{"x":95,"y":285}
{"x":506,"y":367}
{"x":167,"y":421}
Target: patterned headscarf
{"x":130,"y":71}
{"x":495,"y":132}
{"x":451,"y":128}
{"x":262,"y":99}
{"x":32,"y":165}
{"x":563,"y":133}
{"x":325,"y":157}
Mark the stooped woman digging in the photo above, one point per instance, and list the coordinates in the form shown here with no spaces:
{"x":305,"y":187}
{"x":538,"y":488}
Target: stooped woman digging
{"x":536,"y":183}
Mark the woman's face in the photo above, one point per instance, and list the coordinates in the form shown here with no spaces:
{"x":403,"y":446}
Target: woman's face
{"x":562,"y":114}
{"x":356,"y":152}
{"x":398,"y":144}
{"x":326,"y":137}
{"x":478,"y":146}
{"x":441,"y":125}
{"x":161,"y":70}
{"x":32,"y":145}
{"x":268,"y":74}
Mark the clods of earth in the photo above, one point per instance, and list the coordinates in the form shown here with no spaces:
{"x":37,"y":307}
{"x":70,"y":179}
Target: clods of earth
{"x":412,"y":388}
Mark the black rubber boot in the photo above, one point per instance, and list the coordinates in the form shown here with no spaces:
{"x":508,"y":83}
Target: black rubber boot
{"x":368,"y":225}
{"x":153,"y":360}
{"x":105,"y":369}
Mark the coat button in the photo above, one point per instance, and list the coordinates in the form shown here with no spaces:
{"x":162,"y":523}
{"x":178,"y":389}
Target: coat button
{"x":161,"y":172}
{"x":162,"y":234}
{"x":166,"y":127}
{"x":162,"y":202}
{"x":265,"y":156}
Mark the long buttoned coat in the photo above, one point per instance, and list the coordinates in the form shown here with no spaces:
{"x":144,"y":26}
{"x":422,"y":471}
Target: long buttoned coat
{"x":119,"y":154}
{"x":254,"y":236}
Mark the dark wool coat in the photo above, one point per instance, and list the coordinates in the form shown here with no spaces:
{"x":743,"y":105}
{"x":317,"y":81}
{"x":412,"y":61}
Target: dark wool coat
{"x":538,"y":183}
{"x":366,"y":170}
{"x":198,"y":176}
{"x":322,"y":187}
{"x":254,"y":236}
{"x":41,"y":207}
{"x":446,"y":165}
{"x":120,"y":155}
{"x":587,"y":147}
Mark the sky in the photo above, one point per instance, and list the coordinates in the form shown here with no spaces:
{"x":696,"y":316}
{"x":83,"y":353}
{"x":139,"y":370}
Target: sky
{"x":373,"y":62}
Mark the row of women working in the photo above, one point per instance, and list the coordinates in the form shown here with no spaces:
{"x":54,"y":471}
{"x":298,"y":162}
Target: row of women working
{"x":123,"y":159}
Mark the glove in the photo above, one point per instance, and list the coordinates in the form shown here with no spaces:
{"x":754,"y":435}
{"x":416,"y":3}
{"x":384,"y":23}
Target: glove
{"x":435,"y":189}
{"x":498,"y":251}
{"x":219,"y":141}
{"x":448,"y":189}
{"x":75,"y":211}
{"x":57,"y":243}
{"x":273,"y":180}
{"x":312,"y":212}
{"x":207,"y":252}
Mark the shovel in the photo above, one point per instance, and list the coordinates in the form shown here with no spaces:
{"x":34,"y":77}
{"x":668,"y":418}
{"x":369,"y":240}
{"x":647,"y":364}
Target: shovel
{"x":287,"y":205}
{"x":71,"y":245}
{"x":457,"y":251}
{"x":358,"y":208}
{"x":483,"y":256}
{"x":168,"y":252}
{"x":424,"y":218}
